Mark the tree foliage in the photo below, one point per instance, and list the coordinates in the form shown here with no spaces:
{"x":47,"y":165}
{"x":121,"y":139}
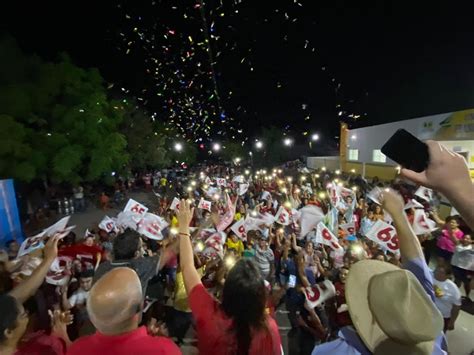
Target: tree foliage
{"x":56,"y":121}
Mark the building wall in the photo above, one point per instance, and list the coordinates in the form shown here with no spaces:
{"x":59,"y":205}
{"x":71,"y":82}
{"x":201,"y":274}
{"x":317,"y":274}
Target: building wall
{"x":331,"y":163}
{"x":455,"y":130}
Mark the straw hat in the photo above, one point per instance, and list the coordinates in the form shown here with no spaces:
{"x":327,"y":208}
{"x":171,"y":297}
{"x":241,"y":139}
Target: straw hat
{"x":390,"y":309}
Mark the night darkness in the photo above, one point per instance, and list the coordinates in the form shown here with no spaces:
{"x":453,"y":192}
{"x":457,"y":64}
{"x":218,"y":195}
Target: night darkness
{"x":299,"y":65}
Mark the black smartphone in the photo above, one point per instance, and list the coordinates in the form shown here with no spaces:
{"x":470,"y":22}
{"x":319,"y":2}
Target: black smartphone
{"x":407,"y":150}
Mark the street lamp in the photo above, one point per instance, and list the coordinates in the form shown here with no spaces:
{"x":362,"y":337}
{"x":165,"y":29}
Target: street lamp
{"x":178,"y":147}
{"x":288,"y":142}
{"x":315,"y":137}
{"x":216,"y":147}
{"x":259,"y":145}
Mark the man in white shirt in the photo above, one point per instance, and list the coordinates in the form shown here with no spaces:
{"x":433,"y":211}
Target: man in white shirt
{"x":79,"y":202}
{"x":448,"y":297}
{"x":79,"y":298}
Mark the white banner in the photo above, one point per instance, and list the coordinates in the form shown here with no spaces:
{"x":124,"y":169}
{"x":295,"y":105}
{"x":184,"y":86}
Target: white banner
{"x":31,"y":244}
{"x":136,"y":208}
{"x":349,"y":228}
{"x":310,"y":217}
{"x":205,"y":205}
{"x":242,"y":189}
{"x":151,"y":226}
{"x":324,"y":236}
{"x":239,"y":229}
{"x":107,"y":224}
{"x":422,"y":224}
{"x":283,"y":216}
{"x":384,"y":235}
{"x":424,"y":193}
{"x":239,"y":179}
{"x":374,"y":195}
{"x":59,"y":226}
{"x":412,"y":204}
{"x":265,"y":195}
{"x":316,"y":295}
{"x":175,"y":204}
{"x":221,"y":182}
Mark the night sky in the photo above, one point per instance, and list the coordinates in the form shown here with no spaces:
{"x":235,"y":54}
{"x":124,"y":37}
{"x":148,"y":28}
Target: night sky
{"x":302,"y":66}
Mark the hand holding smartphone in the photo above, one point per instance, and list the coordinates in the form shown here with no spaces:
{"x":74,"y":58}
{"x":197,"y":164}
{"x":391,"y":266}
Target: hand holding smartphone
{"x":407,"y":150}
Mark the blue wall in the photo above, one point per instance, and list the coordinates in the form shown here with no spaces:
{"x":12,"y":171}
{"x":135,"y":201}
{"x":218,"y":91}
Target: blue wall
{"x":10,"y":226}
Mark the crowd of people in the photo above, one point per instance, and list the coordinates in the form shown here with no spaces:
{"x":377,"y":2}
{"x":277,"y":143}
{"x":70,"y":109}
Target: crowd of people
{"x":226,"y":247}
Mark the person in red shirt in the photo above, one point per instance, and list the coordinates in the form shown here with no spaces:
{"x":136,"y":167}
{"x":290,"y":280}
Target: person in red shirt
{"x":238,"y":325}
{"x":115,"y":308}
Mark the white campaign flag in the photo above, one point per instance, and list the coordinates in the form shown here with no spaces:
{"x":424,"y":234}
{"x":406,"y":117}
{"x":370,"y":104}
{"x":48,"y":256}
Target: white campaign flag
{"x":175,"y":204}
{"x":151,"y":226}
{"x":310,"y":217}
{"x":424,"y":193}
{"x":374,"y":195}
{"x":324,"y":236}
{"x":412,"y":204}
{"x":422,"y":224}
{"x":107,"y":224}
{"x":349,"y":228}
{"x":315,"y":295}
{"x":283,"y":216}
{"x":205,"y":205}
{"x":384,"y":235}
{"x":59,"y":226}
{"x":31,"y":244}
{"x":239,"y":179}
{"x":136,"y":208}
{"x":252,"y":223}
{"x":265,"y":196}
{"x":267,"y":217}
{"x":239,"y":229}
{"x":221,"y":182}
{"x":242,"y":189}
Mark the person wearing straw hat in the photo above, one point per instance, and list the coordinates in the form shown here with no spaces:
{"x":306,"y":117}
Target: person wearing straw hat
{"x":392,"y":309}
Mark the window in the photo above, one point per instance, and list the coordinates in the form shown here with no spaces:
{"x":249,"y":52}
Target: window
{"x":353,"y":154}
{"x":378,"y":156}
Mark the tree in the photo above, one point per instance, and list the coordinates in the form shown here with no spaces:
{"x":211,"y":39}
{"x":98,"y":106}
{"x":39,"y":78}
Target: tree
{"x":146,"y":141}
{"x":273,"y":152}
{"x":56,"y":120}
{"x":232,"y":150}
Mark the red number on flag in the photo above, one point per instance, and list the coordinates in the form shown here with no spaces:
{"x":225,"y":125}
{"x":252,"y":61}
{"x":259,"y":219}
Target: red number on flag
{"x":384,"y":235}
{"x":393,"y":244}
{"x":351,"y":230}
{"x":312,"y":294}
{"x":137,"y":209}
{"x":327,"y":236}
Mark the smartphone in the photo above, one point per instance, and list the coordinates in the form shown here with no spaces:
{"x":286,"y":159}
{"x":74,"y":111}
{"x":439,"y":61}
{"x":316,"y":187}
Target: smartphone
{"x":407,"y":150}
{"x":292,"y":281}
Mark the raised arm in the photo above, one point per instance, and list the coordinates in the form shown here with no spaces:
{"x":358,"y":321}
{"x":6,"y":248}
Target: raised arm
{"x":27,"y":288}
{"x":190,"y":275}
{"x":448,"y":173}
{"x":410,"y":247}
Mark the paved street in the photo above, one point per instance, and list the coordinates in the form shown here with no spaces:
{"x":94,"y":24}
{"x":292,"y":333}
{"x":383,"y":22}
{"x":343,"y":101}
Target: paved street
{"x":461,"y":341}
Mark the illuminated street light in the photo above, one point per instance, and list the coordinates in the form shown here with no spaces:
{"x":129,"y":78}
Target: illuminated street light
{"x":259,"y":145}
{"x":288,"y":142}
{"x":216,"y":147}
{"x":178,"y":147}
{"x":315,"y":137}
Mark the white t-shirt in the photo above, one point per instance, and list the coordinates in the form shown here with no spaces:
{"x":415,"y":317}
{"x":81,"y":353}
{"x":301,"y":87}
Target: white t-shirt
{"x":78,"y":192}
{"x":79,"y":298}
{"x":449,"y":296}
{"x":463,"y":257}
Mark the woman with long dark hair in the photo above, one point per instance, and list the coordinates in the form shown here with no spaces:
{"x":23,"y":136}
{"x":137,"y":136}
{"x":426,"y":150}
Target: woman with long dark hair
{"x":238,"y":325}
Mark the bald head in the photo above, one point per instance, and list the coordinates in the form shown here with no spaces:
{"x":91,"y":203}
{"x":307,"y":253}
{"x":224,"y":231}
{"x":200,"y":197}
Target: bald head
{"x":114,"y":303}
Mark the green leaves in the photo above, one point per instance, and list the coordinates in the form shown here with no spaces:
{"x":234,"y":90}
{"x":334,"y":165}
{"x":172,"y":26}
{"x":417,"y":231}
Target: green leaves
{"x":56,"y":120}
